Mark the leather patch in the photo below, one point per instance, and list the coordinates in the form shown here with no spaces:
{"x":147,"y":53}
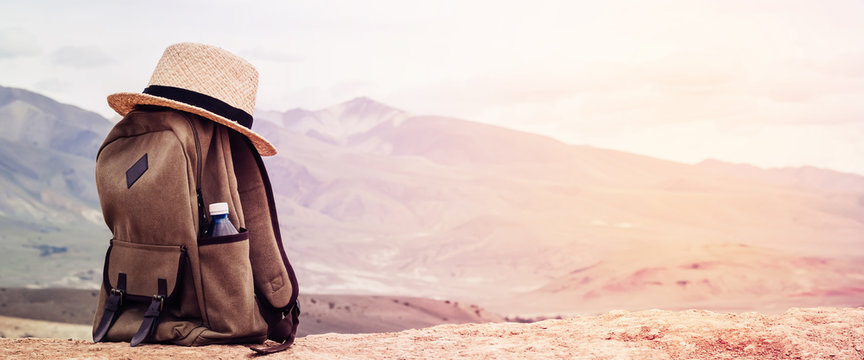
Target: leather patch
{"x":135,"y":172}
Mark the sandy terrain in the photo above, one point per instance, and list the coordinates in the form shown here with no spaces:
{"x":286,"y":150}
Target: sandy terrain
{"x":817,"y":333}
{"x":718,"y":277}
{"x":72,"y":306}
{"x":347,"y":314}
{"x":12,"y":327}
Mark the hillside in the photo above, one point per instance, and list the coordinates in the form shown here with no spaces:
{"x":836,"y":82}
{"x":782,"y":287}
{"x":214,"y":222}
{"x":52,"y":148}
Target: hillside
{"x":34,"y":119}
{"x":499,"y":217}
{"x":47,"y":153}
{"x":378,"y":201}
{"x":52,"y":230}
{"x":823,"y":333}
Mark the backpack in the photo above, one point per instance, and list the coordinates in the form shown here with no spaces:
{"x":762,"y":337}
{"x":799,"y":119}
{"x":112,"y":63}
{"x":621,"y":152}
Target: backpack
{"x":164,"y":279}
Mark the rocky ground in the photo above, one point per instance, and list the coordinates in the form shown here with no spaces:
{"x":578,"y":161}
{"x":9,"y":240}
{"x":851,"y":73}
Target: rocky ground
{"x":816,"y":333}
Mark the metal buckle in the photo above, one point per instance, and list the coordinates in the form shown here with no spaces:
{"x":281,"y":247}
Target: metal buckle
{"x":119,"y":293}
{"x":161,"y":301}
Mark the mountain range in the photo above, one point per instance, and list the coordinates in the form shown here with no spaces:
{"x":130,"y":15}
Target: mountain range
{"x":376,"y":200}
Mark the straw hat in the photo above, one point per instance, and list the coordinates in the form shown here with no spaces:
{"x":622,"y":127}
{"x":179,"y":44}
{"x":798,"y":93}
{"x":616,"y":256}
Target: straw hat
{"x":203,"y":80}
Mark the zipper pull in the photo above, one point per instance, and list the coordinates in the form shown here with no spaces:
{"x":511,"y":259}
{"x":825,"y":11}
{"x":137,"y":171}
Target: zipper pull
{"x":203,"y":224}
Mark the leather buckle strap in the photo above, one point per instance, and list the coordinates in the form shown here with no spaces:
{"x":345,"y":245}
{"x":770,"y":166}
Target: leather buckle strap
{"x":284,"y":332}
{"x":112,"y":308}
{"x":151,"y":316}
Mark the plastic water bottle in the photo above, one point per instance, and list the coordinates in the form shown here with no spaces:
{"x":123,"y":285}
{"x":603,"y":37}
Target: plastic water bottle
{"x":219,"y":223}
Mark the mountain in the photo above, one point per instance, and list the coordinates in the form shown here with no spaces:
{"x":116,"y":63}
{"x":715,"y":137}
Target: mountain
{"x":47,"y":157}
{"x":445,"y":207}
{"x":376,"y":200}
{"x":805,"y":177}
{"x":31,"y":118}
{"x":52,"y":229}
{"x":337,"y":123}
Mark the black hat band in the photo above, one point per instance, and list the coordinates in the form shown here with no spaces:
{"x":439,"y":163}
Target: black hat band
{"x":200,"y":100}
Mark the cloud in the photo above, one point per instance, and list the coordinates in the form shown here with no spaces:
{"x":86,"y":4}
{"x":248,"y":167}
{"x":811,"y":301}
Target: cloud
{"x":81,"y":57}
{"x":348,"y":89}
{"x":52,"y":85}
{"x":847,"y":65}
{"x":17,"y":43}
{"x":270,"y":55}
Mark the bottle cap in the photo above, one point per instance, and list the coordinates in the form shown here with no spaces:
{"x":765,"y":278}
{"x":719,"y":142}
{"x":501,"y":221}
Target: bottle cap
{"x":218,"y":208}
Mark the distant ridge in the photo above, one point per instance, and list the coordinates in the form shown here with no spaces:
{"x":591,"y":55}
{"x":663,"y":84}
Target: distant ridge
{"x":31,"y":118}
{"x":376,"y":200}
{"x":338,"y":122}
{"x":804,"y":176}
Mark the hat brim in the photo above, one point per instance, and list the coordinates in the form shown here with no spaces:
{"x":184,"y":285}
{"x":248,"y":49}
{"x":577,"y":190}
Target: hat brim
{"x":123,"y":103}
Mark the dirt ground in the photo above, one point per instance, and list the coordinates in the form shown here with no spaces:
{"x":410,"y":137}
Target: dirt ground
{"x":13,"y":327}
{"x":347,"y":314}
{"x":815,"y":333}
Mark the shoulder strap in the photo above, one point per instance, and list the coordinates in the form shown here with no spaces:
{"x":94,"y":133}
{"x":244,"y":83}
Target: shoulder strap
{"x":273,"y":274}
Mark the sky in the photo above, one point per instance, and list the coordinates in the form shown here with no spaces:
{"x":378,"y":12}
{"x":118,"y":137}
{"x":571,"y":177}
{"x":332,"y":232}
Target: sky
{"x":769,"y":83}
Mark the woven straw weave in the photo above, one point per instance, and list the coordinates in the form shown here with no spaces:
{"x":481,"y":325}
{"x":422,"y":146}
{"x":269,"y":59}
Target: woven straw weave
{"x":211,"y":71}
{"x":207,"y":70}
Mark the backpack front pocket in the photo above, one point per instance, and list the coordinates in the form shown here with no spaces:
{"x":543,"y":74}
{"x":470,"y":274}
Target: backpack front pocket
{"x":140,"y":281}
{"x":230,"y":310}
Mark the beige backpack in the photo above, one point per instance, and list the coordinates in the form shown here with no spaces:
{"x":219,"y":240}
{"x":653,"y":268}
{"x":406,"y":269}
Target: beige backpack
{"x":164,"y":280}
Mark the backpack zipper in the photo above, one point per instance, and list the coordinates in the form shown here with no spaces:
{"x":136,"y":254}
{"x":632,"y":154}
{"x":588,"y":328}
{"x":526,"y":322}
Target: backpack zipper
{"x":202,"y":219}
{"x":198,"y":152}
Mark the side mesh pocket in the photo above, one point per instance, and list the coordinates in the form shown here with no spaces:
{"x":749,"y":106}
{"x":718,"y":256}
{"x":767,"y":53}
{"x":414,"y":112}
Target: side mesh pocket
{"x":230,"y":310}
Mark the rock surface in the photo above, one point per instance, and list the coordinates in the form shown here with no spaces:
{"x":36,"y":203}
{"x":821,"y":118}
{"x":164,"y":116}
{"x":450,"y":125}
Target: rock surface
{"x":817,"y":333}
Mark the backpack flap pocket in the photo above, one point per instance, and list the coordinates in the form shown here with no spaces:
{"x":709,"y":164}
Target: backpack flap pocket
{"x":229,"y":291}
{"x":144,"y":265}
{"x":141,"y":279}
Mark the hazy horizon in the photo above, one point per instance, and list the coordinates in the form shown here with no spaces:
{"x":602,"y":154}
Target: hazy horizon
{"x":115,"y":117}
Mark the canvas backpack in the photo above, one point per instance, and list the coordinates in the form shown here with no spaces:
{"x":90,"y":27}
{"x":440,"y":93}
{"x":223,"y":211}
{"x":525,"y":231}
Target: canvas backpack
{"x":164,"y":279}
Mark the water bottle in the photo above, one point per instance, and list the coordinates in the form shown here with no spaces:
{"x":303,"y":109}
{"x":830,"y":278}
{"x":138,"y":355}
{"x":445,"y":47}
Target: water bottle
{"x":219,"y":223}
